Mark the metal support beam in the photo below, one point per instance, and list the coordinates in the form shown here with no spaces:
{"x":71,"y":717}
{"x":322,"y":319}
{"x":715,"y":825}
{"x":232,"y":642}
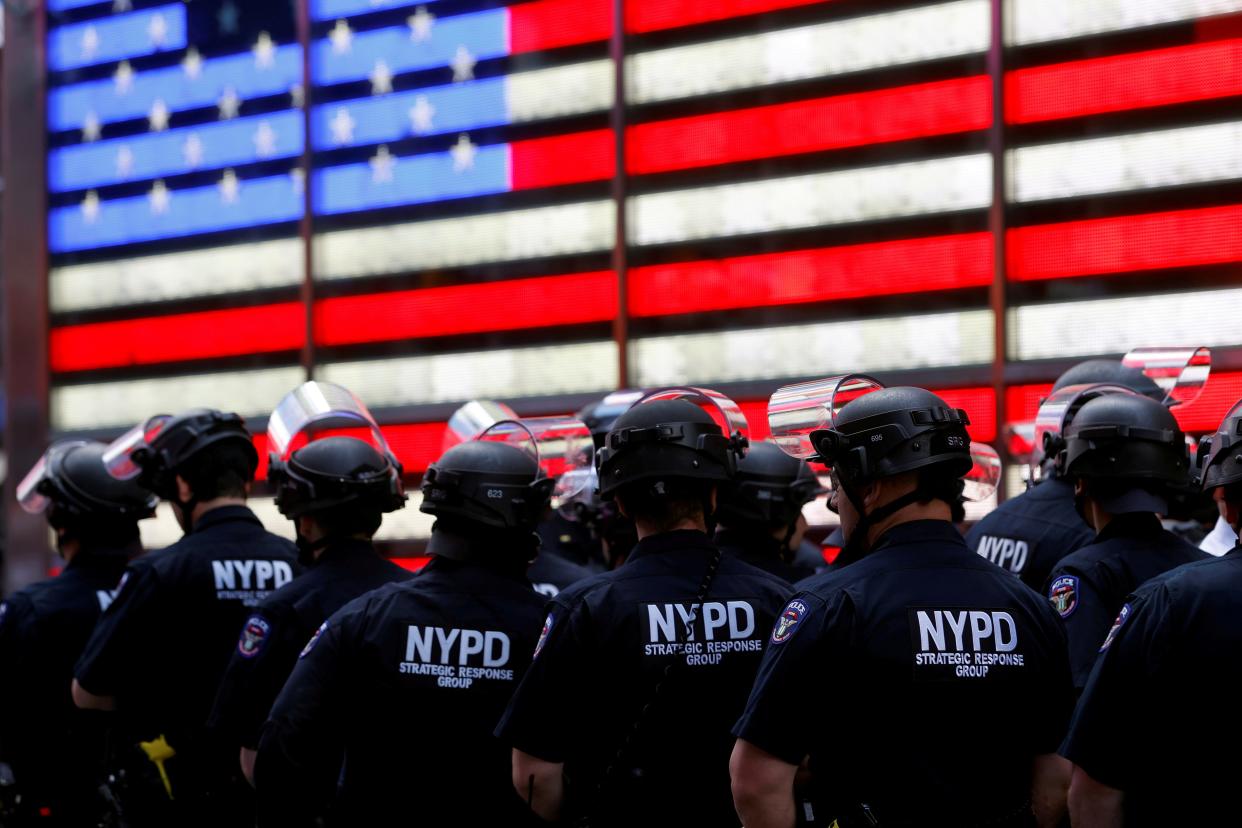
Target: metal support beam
{"x":23,"y":273}
{"x":620,"y":261}
{"x":997,"y":224}
{"x":306,"y":227}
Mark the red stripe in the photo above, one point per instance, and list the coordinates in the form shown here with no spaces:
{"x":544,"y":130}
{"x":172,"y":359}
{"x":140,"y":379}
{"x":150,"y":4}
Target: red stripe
{"x":548,"y":24}
{"x":876,"y":269}
{"x":412,"y":564}
{"x":653,"y":16}
{"x":1133,"y":81}
{"x":563,"y":159}
{"x":182,"y":336}
{"x":858,"y":119}
{"x":1152,"y":241}
{"x":462,"y":309}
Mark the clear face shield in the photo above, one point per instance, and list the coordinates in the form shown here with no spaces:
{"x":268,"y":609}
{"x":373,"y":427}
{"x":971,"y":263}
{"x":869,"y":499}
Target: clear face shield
{"x":123,"y":455}
{"x":472,"y":419}
{"x":1055,"y":415}
{"x":32,"y":490}
{"x":1180,"y":372}
{"x":563,"y":448}
{"x":315,"y":410}
{"x":724,"y":412}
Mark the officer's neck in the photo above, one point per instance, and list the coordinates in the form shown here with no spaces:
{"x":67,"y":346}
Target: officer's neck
{"x":933,"y":510}
{"x":206,"y":506}
{"x":646,"y":530}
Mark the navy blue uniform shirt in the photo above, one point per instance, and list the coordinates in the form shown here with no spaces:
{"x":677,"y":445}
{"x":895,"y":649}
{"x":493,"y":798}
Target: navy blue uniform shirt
{"x":269,"y":642}
{"x":942,"y":678}
{"x":761,"y":550}
{"x":55,"y":750}
{"x":402,"y":687}
{"x":1088,"y":587}
{"x":1029,"y":533}
{"x":1159,"y":717}
{"x":164,"y":643}
{"x":550,"y":573}
{"x":606,"y":644}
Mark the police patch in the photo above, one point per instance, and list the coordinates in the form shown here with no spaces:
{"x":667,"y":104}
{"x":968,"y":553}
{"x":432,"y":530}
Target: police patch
{"x":253,"y":636}
{"x":543,"y":634}
{"x":310,"y":645}
{"x":1116,"y":628}
{"x":789,"y":620}
{"x":1063,"y":595}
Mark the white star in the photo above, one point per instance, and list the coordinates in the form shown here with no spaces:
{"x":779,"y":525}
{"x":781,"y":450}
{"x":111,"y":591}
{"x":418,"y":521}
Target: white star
{"x":342,"y":127}
{"x":192,"y":64}
{"x":122,"y":6}
{"x":381,"y":165}
{"x":158,"y":117}
{"x":463,"y":65}
{"x":158,"y":31}
{"x":463,"y":153}
{"x":90,"y":207}
{"x":342,"y":38}
{"x":124,"y":162}
{"x":297,"y":96}
{"x":298,"y":175}
{"x":192,"y":150}
{"x":420,"y":23}
{"x":229,"y":187}
{"x":90,"y":43}
{"x":123,"y":78}
{"x":265,"y":140}
{"x":421,"y":114}
{"x":381,"y":78}
{"x":159,"y":197}
{"x":91,"y":127}
{"x":229,"y":104}
{"x":264,"y":52}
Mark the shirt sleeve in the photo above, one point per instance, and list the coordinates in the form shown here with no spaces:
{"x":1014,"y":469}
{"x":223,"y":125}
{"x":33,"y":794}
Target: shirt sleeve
{"x":543,"y":712}
{"x":302,"y":743}
{"x":1105,"y":737}
{"x":808,"y":637}
{"x":111,"y":660}
{"x":1078,"y":599}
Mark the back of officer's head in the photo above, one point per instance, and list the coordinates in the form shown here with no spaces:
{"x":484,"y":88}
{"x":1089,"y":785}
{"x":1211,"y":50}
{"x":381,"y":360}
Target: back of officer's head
{"x":90,"y":506}
{"x":1113,"y":372}
{"x":223,"y":469}
{"x":484,"y":488}
{"x":768,"y":492}
{"x":343,"y":484}
{"x":1219,"y":466}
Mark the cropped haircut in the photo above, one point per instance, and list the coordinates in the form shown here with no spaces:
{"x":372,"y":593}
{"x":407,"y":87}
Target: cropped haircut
{"x":220,"y":470}
{"x":665,"y":504}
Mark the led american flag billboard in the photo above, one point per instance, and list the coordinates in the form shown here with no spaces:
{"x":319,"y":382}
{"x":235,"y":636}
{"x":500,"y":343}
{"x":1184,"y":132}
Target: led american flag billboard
{"x":803,"y":188}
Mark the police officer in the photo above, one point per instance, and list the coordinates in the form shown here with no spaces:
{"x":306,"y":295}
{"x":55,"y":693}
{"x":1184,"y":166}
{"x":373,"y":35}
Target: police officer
{"x":1124,"y":455}
{"x":158,"y":652}
{"x":624,"y":716}
{"x":1029,"y":533}
{"x":56,"y":752}
{"x":923,"y":647}
{"x":1154,"y":739}
{"x":404,"y":684}
{"x":760,"y":511}
{"x":336,"y":490}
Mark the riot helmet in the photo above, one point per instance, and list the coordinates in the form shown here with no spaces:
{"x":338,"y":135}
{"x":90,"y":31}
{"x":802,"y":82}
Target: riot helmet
{"x":770,"y":489}
{"x":600,"y":415}
{"x":1219,"y":458}
{"x":1110,"y":372}
{"x":488,"y":484}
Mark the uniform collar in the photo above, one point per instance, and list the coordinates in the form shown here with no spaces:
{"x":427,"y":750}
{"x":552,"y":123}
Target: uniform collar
{"x":759,"y":543}
{"x":1131,"y":525}
{"x":918,"y":532}
{"x":225,"y":514}
{"x":104,"y":557}
{"x":679,"y":540}
{"x":346,"y":549}
{"x":453,"y":568}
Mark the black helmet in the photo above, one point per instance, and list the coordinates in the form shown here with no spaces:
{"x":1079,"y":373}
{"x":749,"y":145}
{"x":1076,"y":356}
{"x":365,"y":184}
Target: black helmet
{"x":71,"y":484}
{"x":1219,"y":460}
{"x":770,"y":488}
{"x":667,"y":439}
{"x":600,"y":415}
{"x":157,"y":449}
{"x":1125,"y":437}
{"x":895,"y":430}
{"x":1111,"y":372}
{"x":335,"y":471}
{"x":488,"y":483}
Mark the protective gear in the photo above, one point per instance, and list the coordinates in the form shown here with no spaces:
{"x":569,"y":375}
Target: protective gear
{"x":600,"y":415}
{"x":154,"y":451}
{"x":1219,"y":459}
{"x":665,"y":435}
{"x":71,"y":485}
{"x":333,"y":472}
{"x":1110,"y":372}
{"x":488,"y":483}
{"x":770,"y":489}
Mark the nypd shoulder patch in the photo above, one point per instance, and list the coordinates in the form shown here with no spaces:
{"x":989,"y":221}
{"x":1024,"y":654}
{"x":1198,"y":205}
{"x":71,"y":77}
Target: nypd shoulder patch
{"x":543,"y":634}
{"x":254,"y":636}
{"x":310,"y":645}
{"x":1126,"y":609}
{"x":1063,"y":595}
{"x":790,"y":618}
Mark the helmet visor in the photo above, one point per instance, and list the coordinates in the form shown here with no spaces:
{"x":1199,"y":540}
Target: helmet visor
{"x":562,"y":446}
{"x":120,"y":458}
{"x":31,"y":494}
{"x":1180,"y":372}
{"x":318,"y":409}
{"x":725,"y":412}
{"x":472,"y":419}
{"x":984,"y":475}
{"x":795,"y":411}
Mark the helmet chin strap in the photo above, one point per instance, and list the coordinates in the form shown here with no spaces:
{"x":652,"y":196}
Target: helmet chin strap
{"x":857,"y":546}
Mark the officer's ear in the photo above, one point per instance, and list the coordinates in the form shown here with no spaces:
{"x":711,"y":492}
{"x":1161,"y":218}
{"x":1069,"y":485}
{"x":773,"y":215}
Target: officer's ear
{"x":625,"y":513}
{"x":184,"y":492}
{"x":711,"y":498}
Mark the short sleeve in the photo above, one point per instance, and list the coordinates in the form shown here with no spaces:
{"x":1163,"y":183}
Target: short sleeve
{"x":799,"y":655}
{"x":544,"y":709}
{"x":122,"y":634}
{"x":1103,"y":737}
{"x":1076,"y":596}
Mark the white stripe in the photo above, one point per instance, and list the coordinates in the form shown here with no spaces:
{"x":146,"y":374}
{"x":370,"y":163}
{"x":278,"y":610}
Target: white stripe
{"x":841,"y":197}
{"x":559,"y":91}
{"x":882,"y":344}
{"x":1102,"y":326}
{"x":495,"y":237}
{"x":500,"y":374}
{"x":822,"y":50}
{"x":176,"y":275}
{"x":1038,"y":21}
{"x":1166,"y":158}
{"x":126,"y":402}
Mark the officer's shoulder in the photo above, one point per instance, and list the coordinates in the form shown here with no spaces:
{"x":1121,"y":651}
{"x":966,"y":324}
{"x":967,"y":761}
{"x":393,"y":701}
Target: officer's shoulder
{"x":20,"y":606}
{"x":1190,"y":580}
{"x":736,"y":567}
{"x":592,"y":586}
